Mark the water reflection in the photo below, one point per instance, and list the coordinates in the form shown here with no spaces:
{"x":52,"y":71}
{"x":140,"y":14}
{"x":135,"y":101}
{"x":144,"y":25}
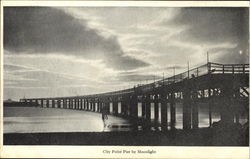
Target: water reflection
{"x":28,"y":119}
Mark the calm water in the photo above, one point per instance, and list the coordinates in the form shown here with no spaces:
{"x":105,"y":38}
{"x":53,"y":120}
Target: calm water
{"x":31,"y":119}
{"x":28,"y":119}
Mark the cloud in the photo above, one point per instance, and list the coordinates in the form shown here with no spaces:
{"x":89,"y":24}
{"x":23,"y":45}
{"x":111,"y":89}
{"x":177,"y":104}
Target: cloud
{"x":134,"y":76}
{"x":213,"y":24}
{"x":211,"y":28}
{"x":83,"y":50}
{"x":37,"y":30}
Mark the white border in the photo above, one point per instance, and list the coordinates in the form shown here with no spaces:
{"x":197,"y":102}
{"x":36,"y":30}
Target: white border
{"x":97,"y":151}
{"x":129,"y":3}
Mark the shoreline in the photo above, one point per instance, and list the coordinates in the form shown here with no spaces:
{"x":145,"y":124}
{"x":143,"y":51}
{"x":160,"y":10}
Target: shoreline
{"x":199,"y":137}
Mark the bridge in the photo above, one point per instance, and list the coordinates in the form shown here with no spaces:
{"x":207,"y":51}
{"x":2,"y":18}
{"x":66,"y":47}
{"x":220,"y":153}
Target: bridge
{"x":224,"y":87}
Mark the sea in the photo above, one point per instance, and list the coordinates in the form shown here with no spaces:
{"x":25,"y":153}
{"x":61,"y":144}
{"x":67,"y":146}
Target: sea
{"x":37,"y":119}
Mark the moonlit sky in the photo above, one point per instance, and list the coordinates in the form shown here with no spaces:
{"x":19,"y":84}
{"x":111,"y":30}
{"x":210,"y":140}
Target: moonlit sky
{"x":69,"y":51}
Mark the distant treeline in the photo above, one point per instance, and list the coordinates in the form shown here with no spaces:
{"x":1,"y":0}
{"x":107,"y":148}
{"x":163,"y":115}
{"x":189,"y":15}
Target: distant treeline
{"x":19,"y":104}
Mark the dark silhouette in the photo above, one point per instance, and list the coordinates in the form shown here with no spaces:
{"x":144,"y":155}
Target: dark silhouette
{"x":104,"y":116}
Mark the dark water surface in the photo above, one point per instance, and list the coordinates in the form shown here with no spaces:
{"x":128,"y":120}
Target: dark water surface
{"x":35,"y":119}
{"x":31,"y":119}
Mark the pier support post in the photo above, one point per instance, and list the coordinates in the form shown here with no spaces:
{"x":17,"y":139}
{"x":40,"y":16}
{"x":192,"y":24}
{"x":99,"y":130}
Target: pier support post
{"x":67,"y":103}
{"x":210,"y":101}
{"x":164,"y":113}
{"x":42,"y":103}
{"x":77,"y":103}
{"x":172,"y":111}
{"x":115,"y":107}
{"x":80,"y":103}
{"x":156,"y":107}
{"x":63,"y":104}
{"x":124,"y":107}
{"x":236,"y":105}
{"x":84,"y":104}
{"x":53,"y":103}
{"x":58,"y":103}
{"x":226,"y":108}
{"x":195,"y":115}
{"x":98,"y":106}
{"x":133,"y":106}
{"x":47,"y":103}
{"x":37,"y":104}
{"x":107,"y":106}
{"x":194,"y":105}
{"x":90,"y":105}
{"x":186,"y":109}
{"x":143,"y":107}
{"x":101,"y":105}
{"x":87,"y":104}
{"x":93,"y":103}
{"x":70,"y":103}
{"x":148,"y":108}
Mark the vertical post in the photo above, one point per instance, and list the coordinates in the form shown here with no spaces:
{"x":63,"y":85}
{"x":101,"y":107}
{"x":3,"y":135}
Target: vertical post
{"x":186,"y":108}
{"x":172,"y":111}
{"x":107,"y":103}
{"x":207,"y":57}
{"x":63,"y":103}
{"x":148,"y":108}
{"x":210,"y":107}
{"x":195,"y":115}
{"x":47,"y":103}
{"x":115,"y":107}
{"x":237,"y":106}
{"x":98,"y":105}
{"x":41,"y":102}
{"x":124,"y":106}
{"x":164,"y":113}
{"x":134,"y":106}
{"x":209,"y":67}
{"x":156,"y":106}
{"x":67,"y":104}
{"x":76,"y":103}
{"x":58,"y":103}
{"x":53,"y":103}
{"x":174,"y":73}
{"x":84,"y":104}
{"x":93,"y":105}
{"x":226,"y":108}
{"x":80,"y":103}
{"x":37,"y":104}
{"x":71,"y":104}
{"x":143,"y":105}
{"x":87,"y":104}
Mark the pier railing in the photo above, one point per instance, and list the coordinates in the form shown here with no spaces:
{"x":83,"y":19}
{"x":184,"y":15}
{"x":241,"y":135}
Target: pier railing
{"x":228,"y":68}
{"x":209,"y":68}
